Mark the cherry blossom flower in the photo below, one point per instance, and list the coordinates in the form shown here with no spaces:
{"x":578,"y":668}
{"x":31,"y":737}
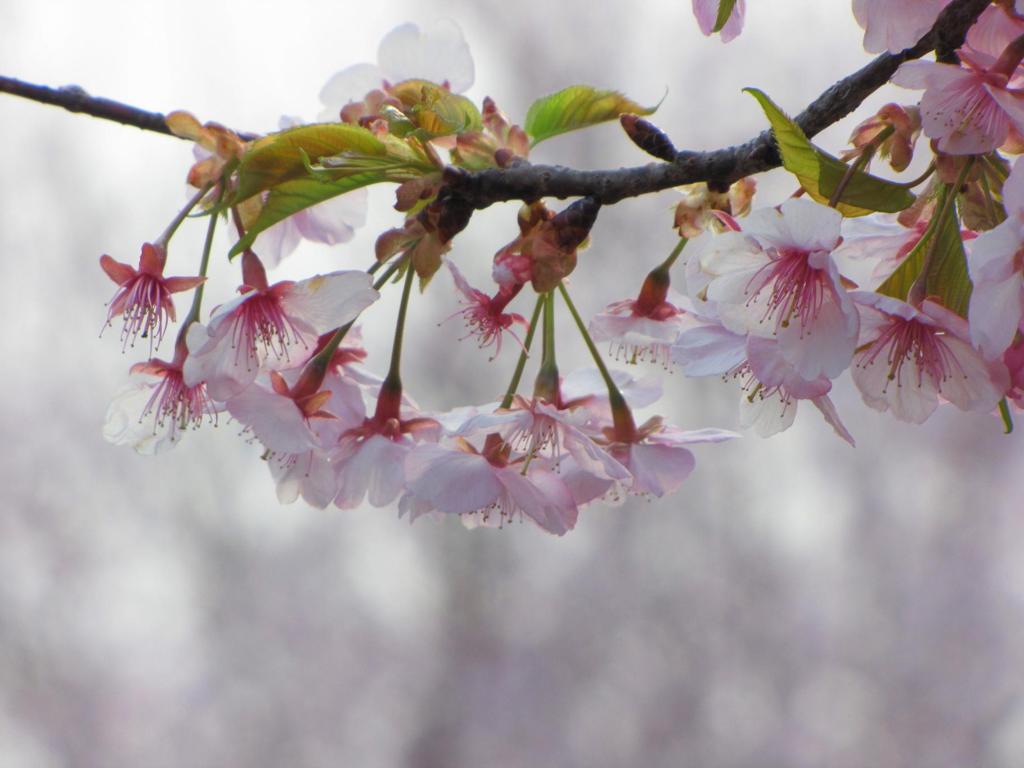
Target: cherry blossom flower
{"x":1014,"y":360}
{"x":996,"y":264}
{"x":151,"y":411}
{"x":643,"y":327}
{"x":143,"y":298}
{"x":369,"y":458}
{"x":484,"y":315}
{"x":537,"y":427}
{"x":657,"y":454}
{"x":994,"y":30}
{"x":706,"y":12}
{"x":969,"y":109}
{"x":904,"y":124}
{"x":876,"y":244}
{"x":770,"y":386}
{"x":281,"y":415}
{"x":908,"y":358}
{"x":309,"y":473}
{"x":777,"y":279}
{"x":486,"y":488}
{"x":894,"y":26}
{"x":275,"y":325}
{"x":438,"y":54}
{"x":701,"y":209}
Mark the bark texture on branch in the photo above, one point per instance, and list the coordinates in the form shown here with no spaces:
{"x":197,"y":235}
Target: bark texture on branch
{"x":480,"y":189}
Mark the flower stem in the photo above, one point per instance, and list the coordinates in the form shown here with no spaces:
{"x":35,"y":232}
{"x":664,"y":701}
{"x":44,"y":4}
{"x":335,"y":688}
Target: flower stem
{"x":165,"y":237}
{"x":1004,"y":412}
{"x":546,"y":384}
{"x":197,"y":297}
{"x":614,"y":395}
{"x":517,"y":376}
{"x":393,"y":379}
{"x":667,"y":264}
{"x":865,"y":156}
{"x":323,"y":357}
{"x":919,"y":180}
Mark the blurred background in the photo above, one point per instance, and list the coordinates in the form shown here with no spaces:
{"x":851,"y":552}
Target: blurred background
{"x":797,"y":603}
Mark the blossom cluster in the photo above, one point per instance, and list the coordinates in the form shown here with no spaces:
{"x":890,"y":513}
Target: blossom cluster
{"x":767,"y":298}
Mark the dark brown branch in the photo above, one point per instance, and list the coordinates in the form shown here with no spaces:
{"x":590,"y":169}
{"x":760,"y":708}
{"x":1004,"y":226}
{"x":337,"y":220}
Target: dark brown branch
{"x":531,"y":182}
{"x":721,"y":167}
{"x":75,"y":99}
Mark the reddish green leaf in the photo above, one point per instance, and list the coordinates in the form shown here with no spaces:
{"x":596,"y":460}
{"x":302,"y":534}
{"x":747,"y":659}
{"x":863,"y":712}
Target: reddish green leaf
{"x":577,"y":106}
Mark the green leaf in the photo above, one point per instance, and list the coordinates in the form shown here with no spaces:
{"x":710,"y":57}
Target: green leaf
{"x":283,"y":156}
{"x":724,"y":11}
{"x":290,"y":197}
{"x":820,"y":173}
{"x":577,"y":106}
{"x":435,"y":110}
{"x":947,"y":277}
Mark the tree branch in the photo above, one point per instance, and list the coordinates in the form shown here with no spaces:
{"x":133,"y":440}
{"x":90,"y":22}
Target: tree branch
{"x":524,"y":181}
{"x":721,"y":167}
{"x":75,"y":99}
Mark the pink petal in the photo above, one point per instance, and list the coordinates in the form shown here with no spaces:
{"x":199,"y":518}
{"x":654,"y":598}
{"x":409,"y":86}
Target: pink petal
{"x":451,"y":481}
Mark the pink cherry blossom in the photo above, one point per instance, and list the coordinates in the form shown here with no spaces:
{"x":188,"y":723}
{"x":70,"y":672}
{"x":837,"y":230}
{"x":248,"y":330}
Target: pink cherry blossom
{"x":536,"y":427}
{"x":771,"y":388}
{"x":640,"y":328}
{"x":908,"y":358}
{"x":894,"y":25}
{"x":706,"y":12}
{"x":875,"y":245}
{"x":311,"y":474}
{"x":279,"y":415}
{"x":151,"y":411}
{"x":369,"y":458}
{"x":657,"y":455}
{"x":331,"y":222}
{"x":1014,"y":360}
{"x":969,"y":109}
{"x":143,"y":297}
{"x":992,"y":33}
{"x":486,"y":488}
{"x":777,"y":279}
{"x":996,"y":263}
{"x":271,"y":325}
{"x":484,"y":315}
{"x":438,"y":54}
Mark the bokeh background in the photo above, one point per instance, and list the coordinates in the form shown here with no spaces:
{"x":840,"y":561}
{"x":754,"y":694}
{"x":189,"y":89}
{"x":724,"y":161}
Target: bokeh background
{"x":797,"y":603}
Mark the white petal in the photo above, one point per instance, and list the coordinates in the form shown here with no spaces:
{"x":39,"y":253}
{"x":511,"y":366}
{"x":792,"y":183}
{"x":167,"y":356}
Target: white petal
{"x":329,"y":301}
{"x":274,"y":419}
{"x":994,"y":314}
{"x":335,"y":220}
{"x":350,"y":84}
{"x":438,"y":54}
{"x":767,"y":415}
{"x":709,"y":350}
